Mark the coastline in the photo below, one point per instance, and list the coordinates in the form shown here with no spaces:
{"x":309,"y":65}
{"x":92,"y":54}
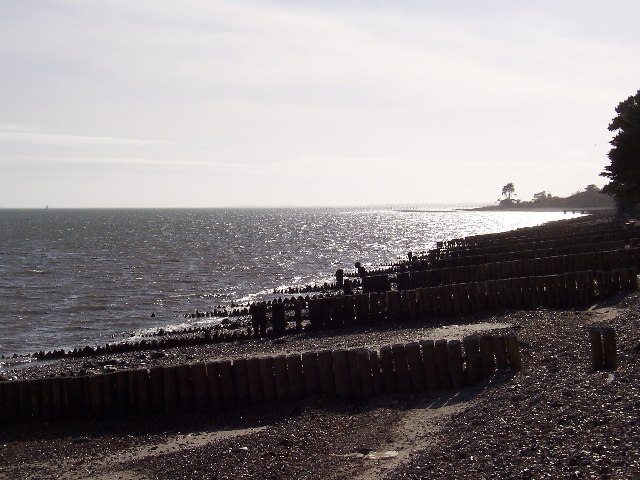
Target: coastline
{"x":499,"y":208}
{"x":556,"y":417}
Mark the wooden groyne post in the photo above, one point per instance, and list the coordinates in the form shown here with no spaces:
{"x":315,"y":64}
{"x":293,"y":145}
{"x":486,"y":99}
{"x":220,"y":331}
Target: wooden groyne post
{"x":604,"y":353}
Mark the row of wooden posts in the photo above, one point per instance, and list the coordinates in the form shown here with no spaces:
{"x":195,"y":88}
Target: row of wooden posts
{"x":540,"y":266}
{"x":544,"y":239}
{"x":572,"y":231}
{"x":568,"y":290}
{"x":539,"y":251}
{"x":519,"y":255}
{"x":415,"y":367}
{"x":555,"y":239}
{"x":533,"y":244}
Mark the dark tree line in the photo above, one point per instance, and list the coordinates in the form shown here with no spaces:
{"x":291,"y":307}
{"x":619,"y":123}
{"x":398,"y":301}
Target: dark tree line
{"x":624,"y":170}
{"x":590,"y":197}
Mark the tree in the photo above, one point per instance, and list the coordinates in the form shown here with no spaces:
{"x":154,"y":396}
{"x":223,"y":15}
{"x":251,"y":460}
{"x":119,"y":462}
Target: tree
{"x":540,"y":197}
{"x":624,"y":170}
{"x":508,"y":190}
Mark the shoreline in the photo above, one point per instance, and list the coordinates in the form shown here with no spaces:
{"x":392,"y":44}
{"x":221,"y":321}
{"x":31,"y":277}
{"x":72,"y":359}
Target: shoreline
{"x":315,"y":437}
{"x":555,"y":418}
{"x":585,"y":210}
{"x":72,"y":320}
{"x":170,"y":322}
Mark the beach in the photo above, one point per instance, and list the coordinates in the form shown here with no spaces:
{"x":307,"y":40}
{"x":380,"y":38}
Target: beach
{"x":555,"y":418}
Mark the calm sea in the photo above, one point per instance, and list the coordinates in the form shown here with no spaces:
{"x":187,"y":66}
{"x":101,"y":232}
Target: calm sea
{"x":72,"y":278}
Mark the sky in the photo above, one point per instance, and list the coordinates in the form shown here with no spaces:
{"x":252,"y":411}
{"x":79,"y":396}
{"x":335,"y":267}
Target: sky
{"x":205,"y":103}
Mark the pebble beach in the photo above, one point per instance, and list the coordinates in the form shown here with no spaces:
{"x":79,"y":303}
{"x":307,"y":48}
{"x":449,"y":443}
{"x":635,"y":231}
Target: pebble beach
{"x":556,"y":418}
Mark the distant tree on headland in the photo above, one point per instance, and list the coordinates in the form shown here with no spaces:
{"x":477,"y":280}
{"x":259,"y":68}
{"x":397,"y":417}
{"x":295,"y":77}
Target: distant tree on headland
{"x":624,"y":171}
{"x":541,"y":197}
{"x":590,"y":197}
{"x":508,"y":190}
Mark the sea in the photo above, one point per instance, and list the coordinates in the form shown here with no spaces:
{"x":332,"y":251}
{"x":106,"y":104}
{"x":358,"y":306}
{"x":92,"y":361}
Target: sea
{"x":71,"y":278}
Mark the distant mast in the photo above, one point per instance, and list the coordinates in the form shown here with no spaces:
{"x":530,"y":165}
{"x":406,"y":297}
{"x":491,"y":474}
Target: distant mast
{"x":46,"y":207}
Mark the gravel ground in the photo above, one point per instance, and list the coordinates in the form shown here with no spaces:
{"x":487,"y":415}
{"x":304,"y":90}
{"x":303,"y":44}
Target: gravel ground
{"x":365,"y":337}
{"x":556,"y":419}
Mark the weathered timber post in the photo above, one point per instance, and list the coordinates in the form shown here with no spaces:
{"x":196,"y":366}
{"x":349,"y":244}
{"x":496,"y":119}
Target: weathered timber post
{"x":597,"y":352}
{"x":487,"y":360}
{"x":255,"y":319}
{"x":143,"y":385}
{"x":4,"y":405}
{"x":311,"y":372}
{"x":376,"y":372}
{"x":240,"y":379}
{"x":170,"y":384}
{"x":278,"y":318}
{"x":132,"y":392}
{"x":416,"y":367}
{"x":267,"y":378}
{"x":413,"y":304}
{"x":388,"y":373}
{"x":401,"y":368}
{"x":297,"y":313}
{"x":421,"y":302}
{"x":200,"y":383}
{"x":11,"y":399}
{"x":500,"y":350}
{"x":227,"y":384}
{"x":337,"y":311}
{"x":513,"y":352}
{"x":341,"y":374}
{"x":455,"y":363}
{"x":156,"y":390}
{"x":394,"y":302}
{"x":294,"y":374}
{"x":349,"y":313}
{"x":366,"y":374}
{"x":442,"y":363}
{"x":185,"y":390}
{"x":281,"y":377}
{"x":214,"y":385}
{"x":57,"y":397}
{"x":325,"y":372}
{"x":472,"y":359}
{"x":429,"y":362}
{"x":609,"y":349}
{"x":47,"y":400}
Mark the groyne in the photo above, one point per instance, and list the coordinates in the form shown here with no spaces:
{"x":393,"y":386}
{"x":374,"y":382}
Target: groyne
{"x":533,"y":268}
{"x":565,"y":264}
{"x":415,"y":367}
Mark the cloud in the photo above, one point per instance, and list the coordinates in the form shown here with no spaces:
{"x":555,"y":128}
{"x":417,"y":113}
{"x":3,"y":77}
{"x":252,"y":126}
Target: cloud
{"x":44,"y":164}
{"x":58,"y":139}
{"x":246,"y":92}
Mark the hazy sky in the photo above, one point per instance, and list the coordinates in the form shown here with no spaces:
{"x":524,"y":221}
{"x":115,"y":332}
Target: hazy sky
{"x":156,"y":103}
